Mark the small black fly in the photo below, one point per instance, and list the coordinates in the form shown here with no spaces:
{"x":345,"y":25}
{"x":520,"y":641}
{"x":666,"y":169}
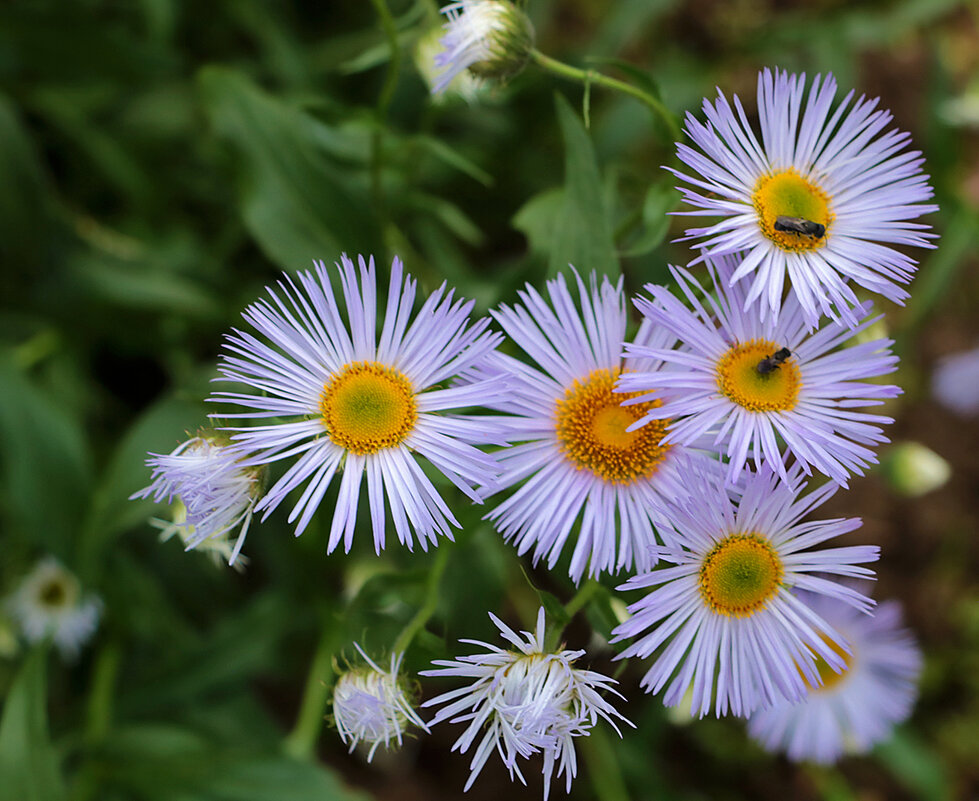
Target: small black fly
{"x":771,"y":363}
{"x":800,"y":225}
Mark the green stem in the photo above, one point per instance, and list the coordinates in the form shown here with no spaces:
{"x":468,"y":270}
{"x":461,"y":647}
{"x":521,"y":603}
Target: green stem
{"x":300,"y":743}
{"x":427,"y":609}
{"x":99,"y":709}
{"x":394,"y":63}
{"x":581,"y":598}
{"x":587,"y":77}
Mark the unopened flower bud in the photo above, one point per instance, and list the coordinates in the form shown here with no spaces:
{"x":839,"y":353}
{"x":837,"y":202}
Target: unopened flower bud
{"x":912,"y":469}
{"x":492,"y":39}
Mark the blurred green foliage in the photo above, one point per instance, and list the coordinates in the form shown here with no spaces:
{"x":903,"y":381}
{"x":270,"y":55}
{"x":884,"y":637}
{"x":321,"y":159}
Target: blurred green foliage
{"x":162,"y":160}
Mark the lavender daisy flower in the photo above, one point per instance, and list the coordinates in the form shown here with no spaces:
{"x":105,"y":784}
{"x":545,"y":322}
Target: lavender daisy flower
{"x":851,"y":710}
{"x":370,"y":705}
{"x":722,"y":617}
{"x":523,"y":702}
{"x":217,"y":490}
{"x":955,"y":382}
{"x":354,"y":403}
{"x":577,"y":457}
{"x":748,"y":381}
{"x":820,"y":199}
{"x":489,"y":38}
{"x":49,"y":603}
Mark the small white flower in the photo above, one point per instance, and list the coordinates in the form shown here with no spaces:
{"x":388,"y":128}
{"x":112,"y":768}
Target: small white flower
{"x":217,"y":489}
{"x":490,"y":38}
{"x":370,"y":704}
{"x":220,"y":548}
{"x":49,"y":602}
{"x":955,"y":383}
{"x":525,"y":702}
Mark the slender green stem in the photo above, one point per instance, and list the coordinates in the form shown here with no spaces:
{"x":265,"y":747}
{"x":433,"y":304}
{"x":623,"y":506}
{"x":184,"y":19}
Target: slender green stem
{"x":394,"y":63}
{"x":98,"y":716}
{"x":300,"y":743}
{"x":588,"y":77}
{"x":581,"y":598}
{"x":427,"y":609}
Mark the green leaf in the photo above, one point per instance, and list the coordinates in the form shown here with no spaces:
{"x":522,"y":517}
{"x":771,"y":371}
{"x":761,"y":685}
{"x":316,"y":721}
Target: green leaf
{"x":660,"y":200}
{"x":296,"y":202}
{"x":171,"y":763}
{"x":29,"y":768}
{"x":44,"y":461}
{"x":537,"y":219}
{"x":583,"y":234}
{"x":915,"y":765}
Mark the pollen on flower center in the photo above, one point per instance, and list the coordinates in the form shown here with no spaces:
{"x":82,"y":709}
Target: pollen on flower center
{"x":54,"y":593}
{"x":828,"y":677}
{"x":739,"y":575}
{"x":739,"y":379}
{"x":591,"y":428}
{"x":788,"y":194}
{"x":367,"y":407}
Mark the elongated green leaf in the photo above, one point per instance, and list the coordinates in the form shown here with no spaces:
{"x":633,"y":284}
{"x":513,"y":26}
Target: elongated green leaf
{"x":916,"y":766}
{"x":29,"y":768}
{"x":172,"y":763}
{"x":45,"y":463}
{"x":660,"y":199}
{"x":296,"y":202}
{"x":583,"y":233}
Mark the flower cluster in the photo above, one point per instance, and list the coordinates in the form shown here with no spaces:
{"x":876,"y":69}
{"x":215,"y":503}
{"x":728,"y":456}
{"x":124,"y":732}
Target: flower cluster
{"x":679,"y":456}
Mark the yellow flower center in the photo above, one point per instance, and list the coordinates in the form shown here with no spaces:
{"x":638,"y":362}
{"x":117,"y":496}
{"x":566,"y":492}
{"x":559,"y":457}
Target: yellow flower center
{"x":739,"y":575}
{"x":54,"y":593}
{"x":772,"y":389}
{"x":367,"y":407}
{"x":591,"y":427}
{"x":788,"y":194}
{"x":827,"y":675}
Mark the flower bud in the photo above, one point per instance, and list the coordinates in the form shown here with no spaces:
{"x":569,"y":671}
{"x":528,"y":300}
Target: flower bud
{"x":492,"y":39}
{"x":912,"y":469}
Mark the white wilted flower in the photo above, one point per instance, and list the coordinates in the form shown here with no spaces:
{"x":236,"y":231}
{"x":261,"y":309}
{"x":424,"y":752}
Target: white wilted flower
{"x":218,"y":491}
{"x":489,"y":38}
{"x":426,"y":51}
{"x":524,"y":702}
{"x":49,"y":602}
{"x":371,"y":705}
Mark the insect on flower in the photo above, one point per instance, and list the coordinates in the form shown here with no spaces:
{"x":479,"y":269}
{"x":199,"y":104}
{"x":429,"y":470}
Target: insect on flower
{"x":800,"y":225}
{"x":771,"y":363}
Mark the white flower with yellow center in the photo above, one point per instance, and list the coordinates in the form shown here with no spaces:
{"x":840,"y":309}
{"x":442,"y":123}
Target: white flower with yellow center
{"x":218,"y":492}
{"x":851,"y":710}
{"x":354,"y":403}
{"x":745,"y":383}
{"x":522,"y":703}
{"x":721,"y":619}
{"x":370,"y":705}
{"x":49,"y":603}
{"x":577,"y":458}
{"x":819,"y":200}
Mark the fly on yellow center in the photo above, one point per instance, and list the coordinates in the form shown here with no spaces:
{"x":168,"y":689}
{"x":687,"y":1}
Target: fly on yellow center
{"x":367,"y":407}
{"x":739,"y":379}
{"x":788,"y":194}
{"x":827,"y":675}
{"x":591,"y":427}
{"x":739,"y":575}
